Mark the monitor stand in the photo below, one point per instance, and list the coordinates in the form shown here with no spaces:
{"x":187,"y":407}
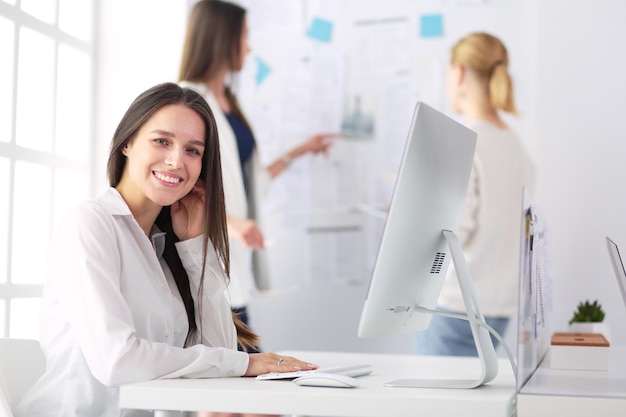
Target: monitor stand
{"x":484,"y":345}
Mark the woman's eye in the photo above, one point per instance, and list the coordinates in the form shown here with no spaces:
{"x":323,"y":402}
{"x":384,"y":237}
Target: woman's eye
{"x":194,"y":151}
{"x":160,"y":141}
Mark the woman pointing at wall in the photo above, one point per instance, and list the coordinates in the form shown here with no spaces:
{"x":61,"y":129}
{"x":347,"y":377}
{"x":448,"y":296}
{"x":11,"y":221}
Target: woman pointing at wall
{"x":215,"y":47}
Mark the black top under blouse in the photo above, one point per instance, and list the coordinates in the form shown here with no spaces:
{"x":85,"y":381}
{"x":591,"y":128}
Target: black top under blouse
{"x":245,"y":143}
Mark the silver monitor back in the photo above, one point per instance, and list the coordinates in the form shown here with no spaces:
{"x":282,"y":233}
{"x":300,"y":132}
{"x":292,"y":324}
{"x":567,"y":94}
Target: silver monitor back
{"x":429,"y":197}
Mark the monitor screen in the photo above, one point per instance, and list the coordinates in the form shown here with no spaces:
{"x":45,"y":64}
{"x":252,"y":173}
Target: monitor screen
{"x":429,"y":197}
{"x":618,"y":266}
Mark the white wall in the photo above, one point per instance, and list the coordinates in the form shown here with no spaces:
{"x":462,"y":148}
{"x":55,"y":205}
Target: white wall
{"x":139,"y":45}
{"x":569,"y":74}
{"x":581,"y":143}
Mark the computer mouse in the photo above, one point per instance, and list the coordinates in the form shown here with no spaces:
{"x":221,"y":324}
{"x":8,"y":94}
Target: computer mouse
{"x":321,"y":379}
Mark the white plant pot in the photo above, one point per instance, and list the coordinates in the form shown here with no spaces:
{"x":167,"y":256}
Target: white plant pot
{"x":591,"y":327}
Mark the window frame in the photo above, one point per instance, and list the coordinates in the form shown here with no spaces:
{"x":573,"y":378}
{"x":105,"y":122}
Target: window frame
{"x":9,"y":290}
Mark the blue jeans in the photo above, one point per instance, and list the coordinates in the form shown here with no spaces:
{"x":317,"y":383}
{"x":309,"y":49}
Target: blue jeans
{"x":448,"y":336}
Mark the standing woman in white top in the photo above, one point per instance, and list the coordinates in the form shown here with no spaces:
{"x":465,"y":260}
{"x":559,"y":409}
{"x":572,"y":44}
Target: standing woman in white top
{"x":215,"y":48}
{"x":479,"y":87}
{"x":136,"y":277}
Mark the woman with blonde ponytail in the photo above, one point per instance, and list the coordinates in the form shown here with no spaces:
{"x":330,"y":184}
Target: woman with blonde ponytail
{"x":479,"y":87}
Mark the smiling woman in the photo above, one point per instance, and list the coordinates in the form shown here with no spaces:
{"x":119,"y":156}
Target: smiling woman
{"x":136,"y":279}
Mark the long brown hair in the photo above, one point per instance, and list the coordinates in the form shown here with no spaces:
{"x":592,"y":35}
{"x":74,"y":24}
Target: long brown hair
{"x":139,"y":112}
{"x":487,"y":56}
{"x":213,"y":38}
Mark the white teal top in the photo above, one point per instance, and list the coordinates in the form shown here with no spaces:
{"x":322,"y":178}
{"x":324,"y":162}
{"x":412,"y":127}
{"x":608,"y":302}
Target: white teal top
{"x":490,"y":227}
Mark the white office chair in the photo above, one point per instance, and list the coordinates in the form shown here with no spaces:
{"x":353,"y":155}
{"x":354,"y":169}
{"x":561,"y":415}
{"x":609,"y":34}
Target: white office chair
{"x":21,"y":364}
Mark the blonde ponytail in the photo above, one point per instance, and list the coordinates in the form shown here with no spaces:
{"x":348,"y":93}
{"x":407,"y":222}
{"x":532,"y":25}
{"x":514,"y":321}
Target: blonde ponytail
{"x":487,"y":57}
{"x":501,"y":89}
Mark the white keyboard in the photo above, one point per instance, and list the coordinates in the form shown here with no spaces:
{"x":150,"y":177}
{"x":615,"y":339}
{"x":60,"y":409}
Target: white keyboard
{"x":347,"y":370}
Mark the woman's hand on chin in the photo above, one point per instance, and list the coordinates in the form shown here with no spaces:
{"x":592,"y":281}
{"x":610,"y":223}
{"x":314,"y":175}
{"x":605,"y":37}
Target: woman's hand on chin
{"x":188,"y":215}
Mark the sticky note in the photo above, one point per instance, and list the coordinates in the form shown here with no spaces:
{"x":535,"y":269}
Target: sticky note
{"x":431,"y":25}
{"x":320,"y":30}
{"x":262,"y":70}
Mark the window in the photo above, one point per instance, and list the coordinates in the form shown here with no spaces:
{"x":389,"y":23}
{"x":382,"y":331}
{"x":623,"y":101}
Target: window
{"x":46,"y":141}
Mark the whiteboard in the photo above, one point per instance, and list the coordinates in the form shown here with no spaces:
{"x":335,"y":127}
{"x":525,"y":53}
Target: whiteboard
{"x":317,"y":66}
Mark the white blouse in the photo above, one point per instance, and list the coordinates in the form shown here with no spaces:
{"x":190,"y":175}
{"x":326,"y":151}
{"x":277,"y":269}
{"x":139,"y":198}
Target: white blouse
{"x":111,"y":314}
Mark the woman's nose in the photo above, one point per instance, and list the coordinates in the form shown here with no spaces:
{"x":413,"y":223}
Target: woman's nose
{"x":174,"y":158}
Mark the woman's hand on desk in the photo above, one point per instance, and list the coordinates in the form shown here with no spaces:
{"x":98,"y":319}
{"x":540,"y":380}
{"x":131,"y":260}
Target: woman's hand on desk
{"x":263,"y":363}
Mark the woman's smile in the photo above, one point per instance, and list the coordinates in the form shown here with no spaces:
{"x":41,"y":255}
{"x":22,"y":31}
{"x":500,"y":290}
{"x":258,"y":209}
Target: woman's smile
{"x":167,"y":179}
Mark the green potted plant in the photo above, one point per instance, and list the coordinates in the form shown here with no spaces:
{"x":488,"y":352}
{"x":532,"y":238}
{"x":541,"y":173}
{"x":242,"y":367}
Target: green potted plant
{"x":589,"y":318}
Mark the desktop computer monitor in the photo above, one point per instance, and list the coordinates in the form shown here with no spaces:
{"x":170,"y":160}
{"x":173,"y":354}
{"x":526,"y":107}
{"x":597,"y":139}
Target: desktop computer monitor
{"x":419,"y":240}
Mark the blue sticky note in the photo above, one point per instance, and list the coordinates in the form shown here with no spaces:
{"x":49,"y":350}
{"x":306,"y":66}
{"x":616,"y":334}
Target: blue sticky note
{"x":431,"y":25}
{"x":262,"y":70}
{"x":320,"y":30}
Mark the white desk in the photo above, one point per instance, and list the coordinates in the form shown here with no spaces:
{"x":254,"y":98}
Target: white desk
{"x":372,"y":399}
{"x":555,"y":392}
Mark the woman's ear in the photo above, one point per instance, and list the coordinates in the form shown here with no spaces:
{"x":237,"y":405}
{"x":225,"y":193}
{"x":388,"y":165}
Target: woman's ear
{"x":458,"y":74}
